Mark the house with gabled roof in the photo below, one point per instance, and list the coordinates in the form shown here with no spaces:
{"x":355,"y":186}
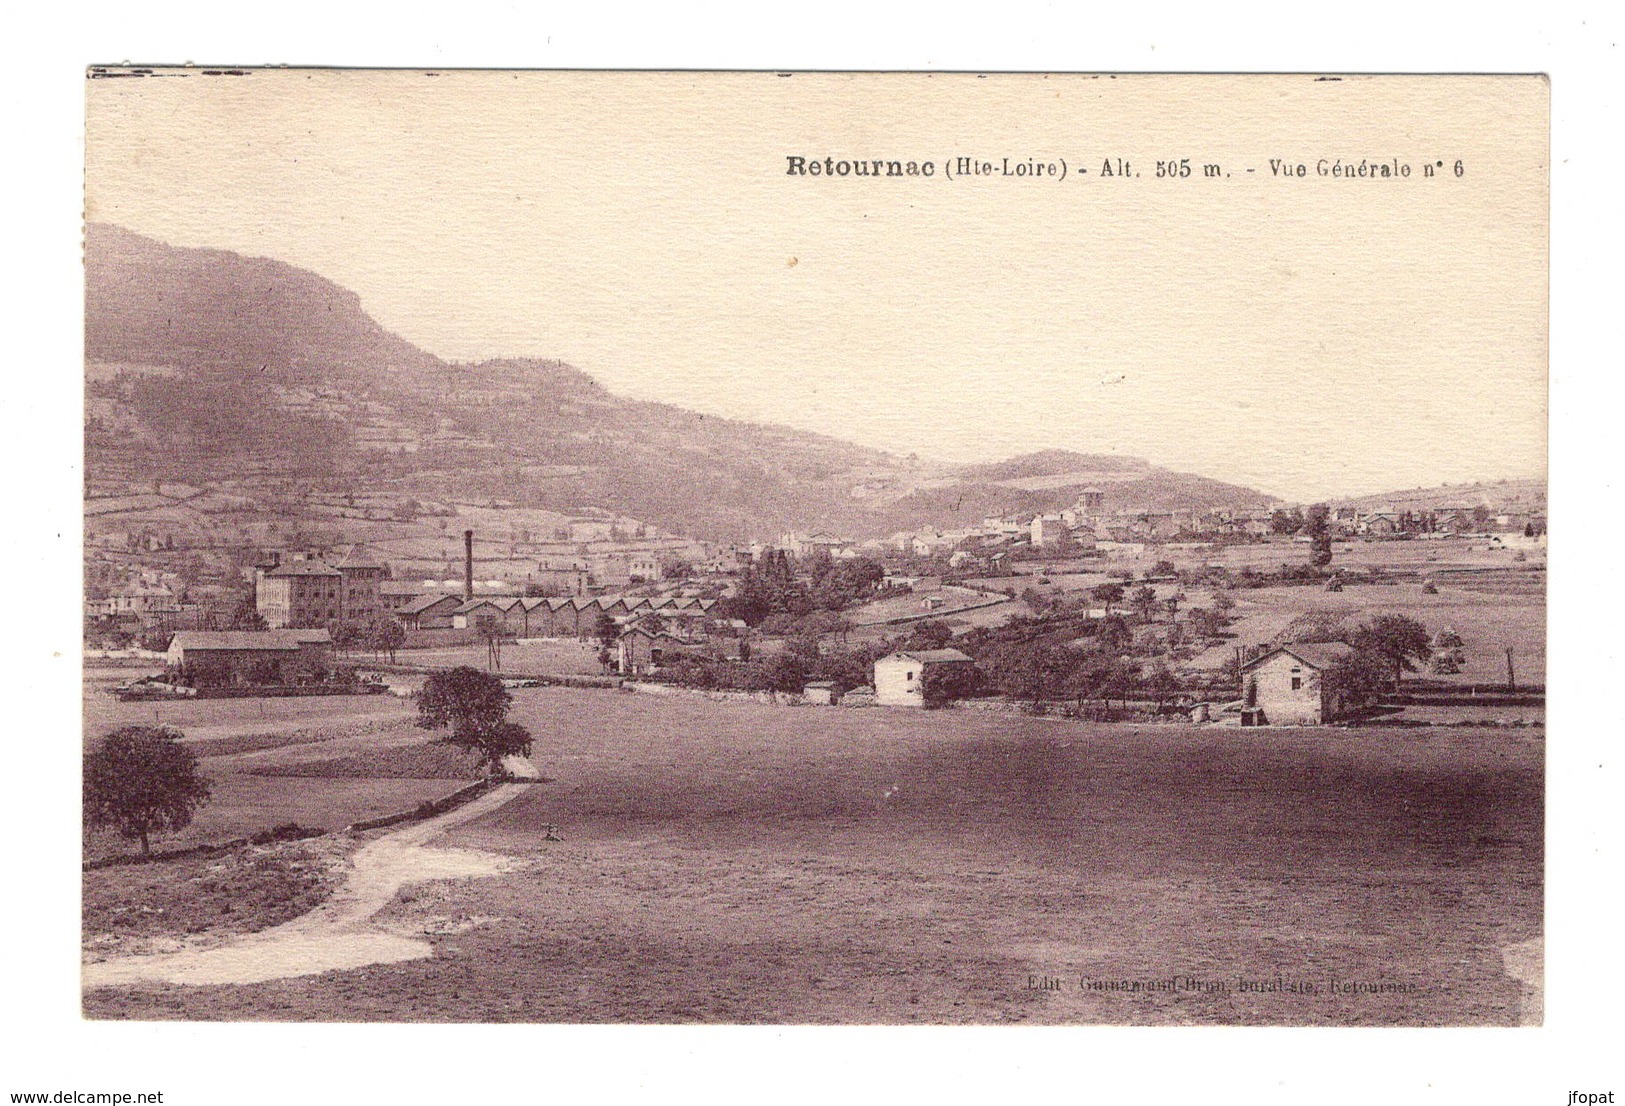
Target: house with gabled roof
{"x":251,"y":656}
{"x":1287,"y":684}
{"x":640,"y":649}
{"x":900,"y":677}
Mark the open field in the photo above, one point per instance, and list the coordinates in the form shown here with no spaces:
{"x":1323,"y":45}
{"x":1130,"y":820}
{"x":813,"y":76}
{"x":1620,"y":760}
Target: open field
{"x":212,"y":718}
{"x":913,"y":605}
{"x":1487,"y":623}
{"x":742,"y":862}
{"x":348,"y":758}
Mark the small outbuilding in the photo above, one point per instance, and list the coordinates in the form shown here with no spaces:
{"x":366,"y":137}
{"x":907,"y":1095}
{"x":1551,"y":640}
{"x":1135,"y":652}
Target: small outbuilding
{"x":859,"y":697}
{"x":821,"y":693}
{"x":640,"y":650}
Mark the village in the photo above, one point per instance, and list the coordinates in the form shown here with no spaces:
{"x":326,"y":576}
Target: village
{"x":922,"y":618}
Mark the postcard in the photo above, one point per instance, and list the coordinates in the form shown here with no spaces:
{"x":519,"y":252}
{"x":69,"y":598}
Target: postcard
{"x":814,"y":547}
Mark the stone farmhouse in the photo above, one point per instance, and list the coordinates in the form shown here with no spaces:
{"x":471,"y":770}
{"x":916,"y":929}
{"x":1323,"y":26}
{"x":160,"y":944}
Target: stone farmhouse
{"x":1285,"y":686}
{"x":900,"y":677}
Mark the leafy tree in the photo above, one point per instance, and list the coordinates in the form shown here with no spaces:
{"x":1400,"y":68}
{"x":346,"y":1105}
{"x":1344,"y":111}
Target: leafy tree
{"x":847,"y":668}
{"x":1205,"y":622}
{"x":246,"y":616}
{"x":784,"y":673}
{"x":929,"y":634}
{"x":140,"y":781}
{"x":473,"y":705}
{"x":1144,"y":600}
{"x":1399,"y":640}
{"x":344,"y":633}
{"x":1163,"y":568}
{"x":941,"y":684}
{"x":1036,"y":601}
{"x":606,"y":630}
{"x":1317,"y":525}
{"x":1033,"y":671}
{"x":692,"y":671}
{"x":1283,"y":521}
{"x":1087,"y":677}
{"x":1107,"y":594}
{"x":385,"y":636}
{"x":1114,"y":632}
{"x":1161,"y":685}
{"x":1095,"y":674}
{"x":1360,"y":679}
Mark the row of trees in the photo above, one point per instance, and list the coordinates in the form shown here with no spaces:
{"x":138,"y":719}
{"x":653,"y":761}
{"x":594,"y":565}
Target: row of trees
{"x":781,"y":585}
{"x":783,"y":673}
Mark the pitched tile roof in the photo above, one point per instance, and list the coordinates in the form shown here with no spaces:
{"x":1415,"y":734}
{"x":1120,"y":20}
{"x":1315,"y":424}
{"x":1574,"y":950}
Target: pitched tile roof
{"x":284,"y":641}
{"x":424,"y":602}
{"x":932,"y":656}
{"x":1319,"y":655}
{"x":304,"y":568}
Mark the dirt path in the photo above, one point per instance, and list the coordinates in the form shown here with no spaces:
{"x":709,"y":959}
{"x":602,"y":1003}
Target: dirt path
{"x":338,"y":934}
{"x":1526,"y":962}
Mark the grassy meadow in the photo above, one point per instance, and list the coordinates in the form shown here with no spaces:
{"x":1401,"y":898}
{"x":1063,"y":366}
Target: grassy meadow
{"x":751,"y":863}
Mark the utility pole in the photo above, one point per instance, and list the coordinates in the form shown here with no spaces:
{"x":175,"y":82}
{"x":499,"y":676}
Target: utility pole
{"x":1512,"y":680}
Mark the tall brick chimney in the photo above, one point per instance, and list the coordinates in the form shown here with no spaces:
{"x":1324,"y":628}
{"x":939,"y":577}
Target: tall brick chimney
{"x":468,"y":565}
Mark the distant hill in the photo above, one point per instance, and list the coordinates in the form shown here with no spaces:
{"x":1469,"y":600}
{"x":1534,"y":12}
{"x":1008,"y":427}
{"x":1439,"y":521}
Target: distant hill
{"x":1051,"y":462}
{"x":1522,"y":494}
{"x":205,"y":365}
{"x":210,"y":312}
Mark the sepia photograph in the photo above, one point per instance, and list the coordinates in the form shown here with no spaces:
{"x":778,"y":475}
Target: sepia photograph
{"x":814,"y":548}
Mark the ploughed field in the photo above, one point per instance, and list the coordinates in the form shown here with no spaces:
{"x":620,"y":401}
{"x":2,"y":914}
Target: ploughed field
{"x":750,"y":863}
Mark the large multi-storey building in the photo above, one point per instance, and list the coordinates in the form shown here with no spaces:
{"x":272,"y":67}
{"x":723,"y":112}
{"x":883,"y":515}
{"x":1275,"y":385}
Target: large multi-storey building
{"x":306,"y":591}
{"x":299,"y":593}
{"x":363,"y":599}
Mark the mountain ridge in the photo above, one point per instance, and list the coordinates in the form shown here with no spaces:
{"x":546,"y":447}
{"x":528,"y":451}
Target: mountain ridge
{"x":269,"y":369}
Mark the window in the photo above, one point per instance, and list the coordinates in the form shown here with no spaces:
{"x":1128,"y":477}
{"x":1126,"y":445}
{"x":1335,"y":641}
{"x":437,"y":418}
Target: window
{"x":1297,"y":683}
{"x":909,"y":675}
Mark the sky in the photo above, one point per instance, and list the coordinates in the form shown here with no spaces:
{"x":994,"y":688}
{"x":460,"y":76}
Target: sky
{"x":1311,"y":337}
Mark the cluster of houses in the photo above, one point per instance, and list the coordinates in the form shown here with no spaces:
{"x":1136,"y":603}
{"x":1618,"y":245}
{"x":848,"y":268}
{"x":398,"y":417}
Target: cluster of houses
{"x":300,"y":594}
{"x":1088,"y":526}
{"x":162,"y":605}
